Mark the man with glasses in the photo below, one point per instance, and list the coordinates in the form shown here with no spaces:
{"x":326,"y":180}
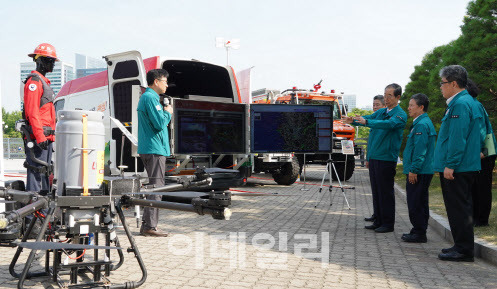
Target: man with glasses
{"x":153,"y":142}
{"x":457,"y":159}
{"x":383,"y":151}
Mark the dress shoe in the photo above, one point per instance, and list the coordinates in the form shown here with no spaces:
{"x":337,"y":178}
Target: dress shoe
{"x":447,"y":250}
{"x":371,"y":227}
{"x":383,"y":230}
{"x":370,"y":219}
{"x":414,"y":238}
{"x":455,"y":256}
{"x":153,"y":233}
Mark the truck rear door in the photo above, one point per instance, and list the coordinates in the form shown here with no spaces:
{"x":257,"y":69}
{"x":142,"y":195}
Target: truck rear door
{"x":124,"y":70}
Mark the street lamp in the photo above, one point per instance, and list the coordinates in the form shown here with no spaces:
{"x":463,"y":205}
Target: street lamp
{"x":234,"y":44}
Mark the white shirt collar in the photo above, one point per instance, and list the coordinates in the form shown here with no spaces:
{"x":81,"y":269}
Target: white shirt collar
{"x":416,"y":118}
{"x":452,"y":97}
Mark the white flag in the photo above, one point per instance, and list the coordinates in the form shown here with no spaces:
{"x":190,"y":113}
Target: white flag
{"x":243,"y":78}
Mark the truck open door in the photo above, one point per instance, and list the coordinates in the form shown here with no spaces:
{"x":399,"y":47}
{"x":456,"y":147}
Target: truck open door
{"x":124,"y":70}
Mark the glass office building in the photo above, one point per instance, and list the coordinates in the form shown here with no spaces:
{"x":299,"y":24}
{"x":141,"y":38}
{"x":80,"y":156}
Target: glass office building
{"x":85,"y":62}
{"x":86,"y":65}
{"x":350,"y":101}
{"x":62,"y":73}
{"x":88,"y":71}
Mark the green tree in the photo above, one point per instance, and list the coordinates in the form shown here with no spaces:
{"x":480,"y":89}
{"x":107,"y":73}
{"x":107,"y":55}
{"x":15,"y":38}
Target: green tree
{"x":9,"y":122}
{"x":475,"y":49}
{"x":425,"y":80}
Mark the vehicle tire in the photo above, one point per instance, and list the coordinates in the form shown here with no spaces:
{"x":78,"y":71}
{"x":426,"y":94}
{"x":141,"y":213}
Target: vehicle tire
{"x":287,"y":174}
{"x":340,"y":167}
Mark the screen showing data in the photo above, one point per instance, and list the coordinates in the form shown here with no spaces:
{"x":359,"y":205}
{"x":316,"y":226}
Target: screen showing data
{"x":202,"y":127}
{"x":291,"y":128}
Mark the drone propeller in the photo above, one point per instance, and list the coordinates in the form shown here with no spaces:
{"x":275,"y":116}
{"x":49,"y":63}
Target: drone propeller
{"x":60,"y":246}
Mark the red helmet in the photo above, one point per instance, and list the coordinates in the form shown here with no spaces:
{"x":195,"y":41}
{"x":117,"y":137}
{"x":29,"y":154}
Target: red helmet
{"x":44,"y":49}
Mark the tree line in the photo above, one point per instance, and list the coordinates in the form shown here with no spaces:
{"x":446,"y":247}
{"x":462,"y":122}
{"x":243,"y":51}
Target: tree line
{"x":475,"y":49}
{"x":9,"y":122}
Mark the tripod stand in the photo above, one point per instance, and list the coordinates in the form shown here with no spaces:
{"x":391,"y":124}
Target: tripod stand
{"x":330,"y":168}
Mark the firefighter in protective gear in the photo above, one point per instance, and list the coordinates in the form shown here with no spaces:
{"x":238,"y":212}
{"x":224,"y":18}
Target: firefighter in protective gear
{"x":39,"y":112}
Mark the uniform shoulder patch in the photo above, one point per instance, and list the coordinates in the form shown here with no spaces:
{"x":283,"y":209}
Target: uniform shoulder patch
{"x":158,"y":107}
{"x":32,"y":87}
{"x":400,"y":117}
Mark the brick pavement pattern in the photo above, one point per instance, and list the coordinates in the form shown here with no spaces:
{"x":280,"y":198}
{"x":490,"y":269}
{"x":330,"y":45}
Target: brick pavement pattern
{"x":281,"y":240}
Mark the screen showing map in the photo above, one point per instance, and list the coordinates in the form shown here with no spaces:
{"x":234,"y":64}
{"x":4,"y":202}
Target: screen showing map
{"x":291,"y":128}
{"x":202,"y":127}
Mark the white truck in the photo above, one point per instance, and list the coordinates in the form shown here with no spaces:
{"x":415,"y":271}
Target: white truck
{"x":116,"y":92}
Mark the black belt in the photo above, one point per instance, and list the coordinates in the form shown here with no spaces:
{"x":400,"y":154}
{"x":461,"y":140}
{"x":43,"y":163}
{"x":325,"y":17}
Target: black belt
{"x":46,"y":130}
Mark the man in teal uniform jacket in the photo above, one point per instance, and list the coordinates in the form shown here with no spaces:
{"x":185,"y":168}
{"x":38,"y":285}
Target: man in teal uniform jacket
{"x":383,"y":150}
{"x":378,"y":102}
{"x":418,"y":166}
{"x":481,"y":190}
{"x":457,"y":158}
{"x":153,"y":142}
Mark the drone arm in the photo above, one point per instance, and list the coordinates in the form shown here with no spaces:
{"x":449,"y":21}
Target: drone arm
{"x":198,"y":206}
{"x":180,"y":186}
{"x":18,"y":215}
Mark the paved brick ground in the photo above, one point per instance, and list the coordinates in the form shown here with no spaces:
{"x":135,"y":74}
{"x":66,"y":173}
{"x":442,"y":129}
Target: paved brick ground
{"x":281,"y":240}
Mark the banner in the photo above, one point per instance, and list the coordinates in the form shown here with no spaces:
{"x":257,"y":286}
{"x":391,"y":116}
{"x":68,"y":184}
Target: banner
{"x":243,"y":78}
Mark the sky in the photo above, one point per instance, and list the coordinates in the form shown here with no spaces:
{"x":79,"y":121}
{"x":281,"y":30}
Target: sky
{"x":356,"y":46}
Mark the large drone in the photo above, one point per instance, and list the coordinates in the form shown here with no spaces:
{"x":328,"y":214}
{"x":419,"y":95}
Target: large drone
{"x":72,"y":218}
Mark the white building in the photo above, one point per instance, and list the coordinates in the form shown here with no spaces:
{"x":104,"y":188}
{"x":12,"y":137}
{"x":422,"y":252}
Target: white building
{"x":86,"y":65}
{"x":62,"y":73}
{"x":85,"y":62}
{"x":350,"y":101}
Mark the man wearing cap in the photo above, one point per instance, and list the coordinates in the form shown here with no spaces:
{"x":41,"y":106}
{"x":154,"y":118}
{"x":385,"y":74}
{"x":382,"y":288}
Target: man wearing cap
{"x":39,"y":112}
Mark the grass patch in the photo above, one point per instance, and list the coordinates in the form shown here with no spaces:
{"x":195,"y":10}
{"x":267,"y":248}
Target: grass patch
{"x":437,"y":205}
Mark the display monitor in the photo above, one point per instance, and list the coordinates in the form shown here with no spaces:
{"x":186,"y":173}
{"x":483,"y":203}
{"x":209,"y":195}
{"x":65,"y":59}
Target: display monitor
{"x":202,"y":127}
{"x":291,"y":128}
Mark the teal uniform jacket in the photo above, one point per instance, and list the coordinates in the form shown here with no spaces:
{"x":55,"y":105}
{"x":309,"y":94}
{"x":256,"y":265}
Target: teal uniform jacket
{"x":420,"y":147}
{"x":485,"y":126}
{"x":385,"y":136}
{"x":459,"y":139}
{"x":369,"y":141}
{"x":153,"y":137}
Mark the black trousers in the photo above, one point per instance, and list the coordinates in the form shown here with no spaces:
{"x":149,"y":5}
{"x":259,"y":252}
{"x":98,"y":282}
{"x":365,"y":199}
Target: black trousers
{"x":36,"y":181}
{"x":382,"y":175}
{"x":459,"y":206}
{"x":417,"y":203}
{"x":482,"y":191}
{"x":373,"y":191}
{"x":155,"y":165}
